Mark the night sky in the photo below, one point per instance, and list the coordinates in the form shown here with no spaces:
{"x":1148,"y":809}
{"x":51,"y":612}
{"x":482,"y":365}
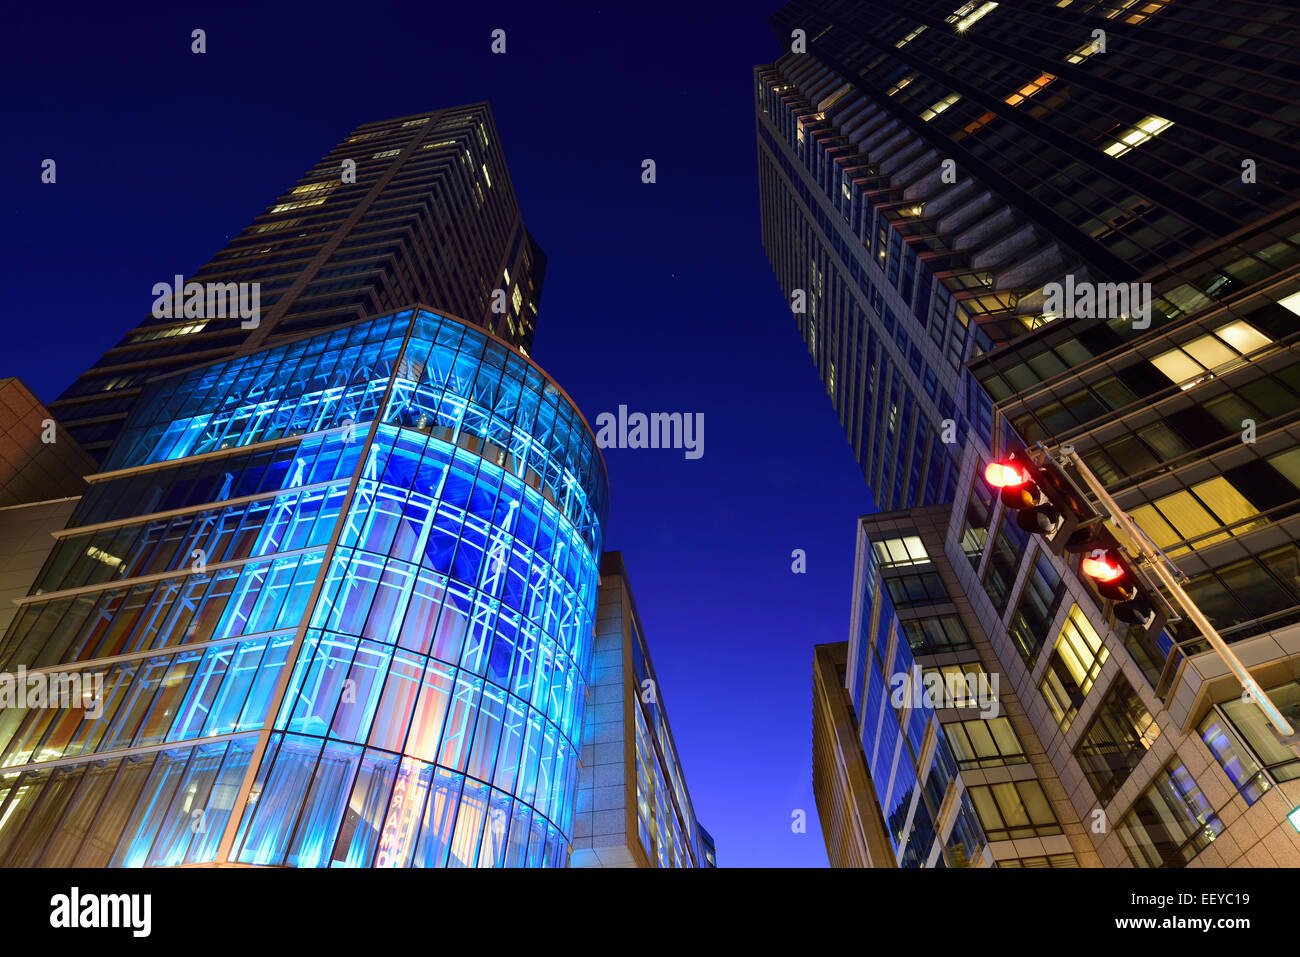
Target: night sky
{"x":657,"y":297}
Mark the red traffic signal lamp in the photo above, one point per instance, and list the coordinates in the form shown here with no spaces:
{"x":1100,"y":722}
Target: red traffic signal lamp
{"x":1117,"y":582}
{"x":1041,"y":499}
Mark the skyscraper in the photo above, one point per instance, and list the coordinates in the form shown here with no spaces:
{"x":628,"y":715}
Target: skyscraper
{"x":414,"y":209}
{"x":330,"y":598}
{"x":1072,"y":224}
{"x":330,"y":603}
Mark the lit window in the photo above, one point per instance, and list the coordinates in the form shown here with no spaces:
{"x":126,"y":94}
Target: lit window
{"x":1013,"y":810}
{"x":312,"y":188}
{"x":487,"y":177}
{"x":908,"y":550}
{"x":911,"y":36}
{"x":984,"y":743}
{"x":980,"y":123}
{"x":301,"y":204}
{"x":1183,"y":515}
{"x":1076,"y":661}
{"x":900,"y":84}
{"x":272,"y":227}
{"x":1292,"y":302}
{"x":100,"y":555}
{"x":1190,"y":363}
{"x":1146,"y":10}
{"x":1243,"y":337}
{"x":385,"y":154}
{"x":1029,"y":89}
{"x":1083,"y":52}
{"x":961,"y":683}
{"x":939,"y":107}
{"x":1209,"y":351}
{"x":1177,"y":365}
{"x":963,"y":17}
{"x":1137,"y":135}
{"x":1288,"y":463}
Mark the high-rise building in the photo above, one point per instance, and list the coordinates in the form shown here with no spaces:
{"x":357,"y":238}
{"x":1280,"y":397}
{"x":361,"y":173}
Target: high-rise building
{"x":633,"y":806}
{"x":1072,"y":224}
{"x":846,"y":804}
{"x":414,"y":209}
{"x":328,"y":603}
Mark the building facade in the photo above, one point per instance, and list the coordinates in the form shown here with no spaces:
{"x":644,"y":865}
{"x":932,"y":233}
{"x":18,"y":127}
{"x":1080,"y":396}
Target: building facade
{"x":633,"y":806}
{"x":847,"y":806}
{"x":42,"y":476}
{"x":330,"y":603}
{"x":1076,"y":225}
{"x":414,"y":209}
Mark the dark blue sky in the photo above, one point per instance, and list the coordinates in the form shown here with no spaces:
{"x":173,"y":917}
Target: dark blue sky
{"x":658,"y":297}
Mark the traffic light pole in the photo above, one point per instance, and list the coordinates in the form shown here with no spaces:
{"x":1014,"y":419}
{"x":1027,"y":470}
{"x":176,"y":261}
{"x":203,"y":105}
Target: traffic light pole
{"x":1271,"y":711}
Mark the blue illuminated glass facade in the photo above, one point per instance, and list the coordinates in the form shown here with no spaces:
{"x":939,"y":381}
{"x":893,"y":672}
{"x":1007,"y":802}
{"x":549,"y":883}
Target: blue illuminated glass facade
{"x":341,"y":593}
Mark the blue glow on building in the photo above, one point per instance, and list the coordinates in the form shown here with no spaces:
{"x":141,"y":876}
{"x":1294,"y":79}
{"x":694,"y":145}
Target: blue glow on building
{"x":363,"y":564}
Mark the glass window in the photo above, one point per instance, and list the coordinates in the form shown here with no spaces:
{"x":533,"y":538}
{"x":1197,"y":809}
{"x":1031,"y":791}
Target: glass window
{"x":1120,"y":734}
{"x":1000,"y":574}
{"x":1234,"y":757}
{"x":1249,"y":722}
{"x":906,"y":590}
{"x":961,"y":683}
{"x":1035,"y":609}
{"x":901,"y":551}
{"x":979,"y":512}
{"x":935,"y":635}
{"x":984,"y":743}
{"x":1170,"y":823}
{"x":1077,"y":659}
{"x":1014,"y":810}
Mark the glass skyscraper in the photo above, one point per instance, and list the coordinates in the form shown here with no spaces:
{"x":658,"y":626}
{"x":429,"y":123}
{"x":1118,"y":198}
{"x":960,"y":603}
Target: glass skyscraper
{"x":413,"y":209}
{"x":339,"y":595}
{"x":934,"y":176}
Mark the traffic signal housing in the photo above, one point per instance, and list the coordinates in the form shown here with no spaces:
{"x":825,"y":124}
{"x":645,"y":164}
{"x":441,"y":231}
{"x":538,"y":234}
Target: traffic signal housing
{"x":1048,"y":505}
{"x":1043,"y":501}
{"x":1116,"y":581}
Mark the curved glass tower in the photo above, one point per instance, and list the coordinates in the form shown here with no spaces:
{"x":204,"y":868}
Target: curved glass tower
{"x":331,"y":603}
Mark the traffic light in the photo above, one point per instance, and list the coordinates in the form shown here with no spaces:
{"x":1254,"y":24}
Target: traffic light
{"x":1043,"y":501}
{"x":1046,"y":503}
{"x":1117,"y":582}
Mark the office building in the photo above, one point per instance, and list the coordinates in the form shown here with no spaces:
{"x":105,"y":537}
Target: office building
{"x":329,"y":603}
{"x":1072,"y":224}
{"x":414,"y":209}
{"x":842,"y":785}
{"x":633,"y":806}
